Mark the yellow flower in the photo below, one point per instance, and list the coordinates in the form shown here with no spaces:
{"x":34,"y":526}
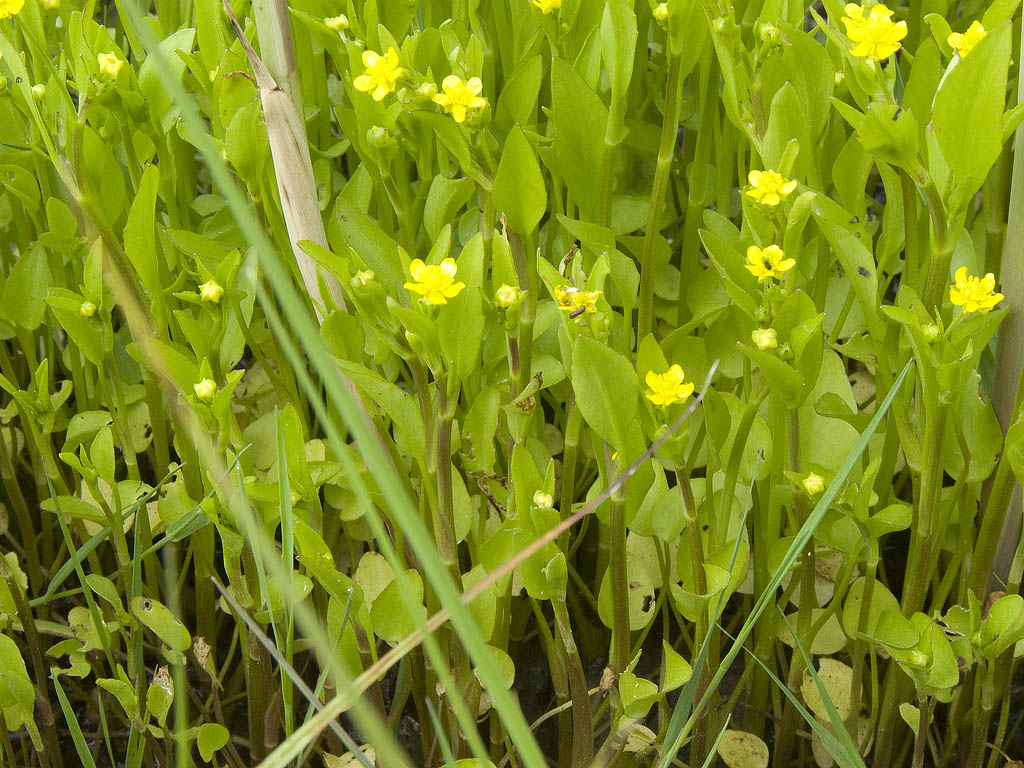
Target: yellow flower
{"x":435,"y":283}
{"x":574,"y":301}
{"x":875,"y":34}
{"x":87,"y":309}
{"x":813,"y":484}
{"x":765,"y":339}
{"x":506,"y":295}
{"x":769,"y":187}
{"x":546,"y":6}
{"x":10,"y":7}
{"x":337,"y":23}
{"x":205,"y":389}
{"x":668,"y":387}
{"x":211,"y":291}
{"x":460,"y":96}
{"x":974,"y":294}
{"x":110,"y":65}
{"x":766,"y":263}
{"x":964,"y":43}
{"x":382,"y":72}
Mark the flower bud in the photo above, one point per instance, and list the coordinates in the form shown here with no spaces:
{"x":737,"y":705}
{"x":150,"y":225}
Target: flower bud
{"x":660,"y":12}
{"x":542,"y":499}
{"x":87,"y":309}
{"x":362,"y":278}
{"x":426,"y":90}
{"x":39,"y":91}
{"x":205,"y":389}
{"x":337,"y":23}
{"x":506,"y":295}
{"x":918,"y":658}
{"x":814,"y":484}
{"x":765,"y":339}
{"x":930,"y":332}
{"x":211,"y":291}
{"x":377,"y":137}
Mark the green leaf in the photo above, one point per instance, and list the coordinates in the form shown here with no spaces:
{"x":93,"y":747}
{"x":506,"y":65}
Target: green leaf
{"x":519,"y":190}
{"x":391,"y":621}
{"x":460,"y":323}
{"x":606,"y":389}
{"x":26,"y":288}
{"x":579,"y":118}
{"x":618,"y":45}
{"x":162,"y":109}
{"x":677,"y":669}
{"x":158,"y":618}
{"x":212,"y":736}
{"x":636,"y":694}
{"x":160,"y":694}
{"x":968,"y":110}
{"x":139,"y":234}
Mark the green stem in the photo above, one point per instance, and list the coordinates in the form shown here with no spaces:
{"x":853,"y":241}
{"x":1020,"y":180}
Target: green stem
{"x":619,"y":657}
{"x":582,"y":724}
{"x":924,"y":711}
{"x":666,"y":150}
{"x":526,"y":273}
{"x":922,"y":531}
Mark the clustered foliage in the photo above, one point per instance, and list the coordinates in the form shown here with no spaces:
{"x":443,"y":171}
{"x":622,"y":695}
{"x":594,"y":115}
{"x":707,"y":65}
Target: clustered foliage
{"x":509,"y":382}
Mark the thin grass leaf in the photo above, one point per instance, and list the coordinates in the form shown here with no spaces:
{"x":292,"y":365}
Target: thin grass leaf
{"x":77,"y":737}
{"x":846,"y":741}
{"x":287,"y":562}
{"x":713,"y":752}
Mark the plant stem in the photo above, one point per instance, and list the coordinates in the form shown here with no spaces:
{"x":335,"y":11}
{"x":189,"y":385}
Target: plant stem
{"x":920,"y":737}
{"x":619,"y":657}
{"x":666,"y":150}
{"x":526,"y":272}
{"x":582,"y":724}
{"x":922,"y":530}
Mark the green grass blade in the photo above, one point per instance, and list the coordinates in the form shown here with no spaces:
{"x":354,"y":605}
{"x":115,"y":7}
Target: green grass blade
{"x":77,"y":737}
{"x":846,"y":741}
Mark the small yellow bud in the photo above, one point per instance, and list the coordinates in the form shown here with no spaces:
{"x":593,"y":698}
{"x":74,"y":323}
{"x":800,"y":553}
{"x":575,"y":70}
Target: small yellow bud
{"x":660,"y":12}
{"x":542,"y":499}
{"x":337,"y":23}
{"x":918,"y":658}
{"x":765,"y":339}
{"x":51,"y":5}
{"x":110,"y":65}
{"x":506,"y":295}
{"x":211,"y":291}
{"x":213,"y":75}
{"x":814,"y":484}
{"x":39,"y":91}
{"x":362,"y":277}
{"x":205,"y":389}
{"x":427,"y":90}
{"x":930,"y":332}
{"x":87,"y":309}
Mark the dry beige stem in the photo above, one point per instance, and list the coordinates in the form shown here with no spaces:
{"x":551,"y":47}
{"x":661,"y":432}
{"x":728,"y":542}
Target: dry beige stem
{"x":295,"y":184}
